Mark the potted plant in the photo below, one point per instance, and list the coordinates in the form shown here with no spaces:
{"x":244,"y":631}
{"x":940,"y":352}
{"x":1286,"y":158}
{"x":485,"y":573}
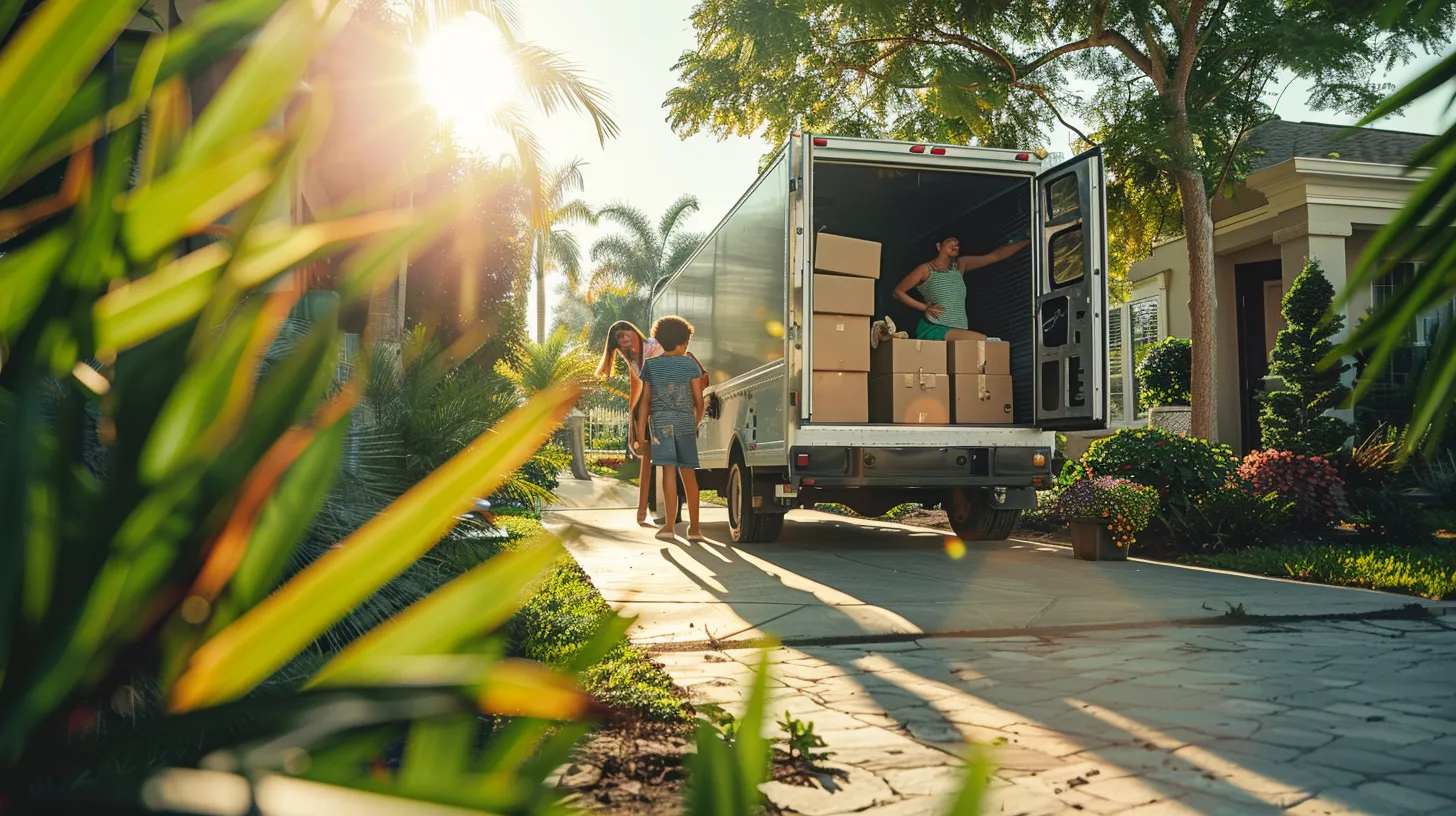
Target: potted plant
{"x":1164,"y":372}
{"x":1105,"y":515}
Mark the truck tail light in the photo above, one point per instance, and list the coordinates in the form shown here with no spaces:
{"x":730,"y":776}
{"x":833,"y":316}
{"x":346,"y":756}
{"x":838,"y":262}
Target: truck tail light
{"x":937,"y":151}
{"x":1038,"y":481}
{"x":820,"y":142}
{"x":917,"y":148}
{"x":802,"y":460}
{"x":1023,"y":157}
{"x":807,"y":483}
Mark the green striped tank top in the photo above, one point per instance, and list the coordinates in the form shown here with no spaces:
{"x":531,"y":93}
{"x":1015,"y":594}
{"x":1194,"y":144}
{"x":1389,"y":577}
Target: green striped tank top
{"x":946,"y":288}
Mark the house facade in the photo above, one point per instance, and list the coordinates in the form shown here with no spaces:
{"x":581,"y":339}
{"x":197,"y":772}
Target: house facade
{"x":1314,"y":192}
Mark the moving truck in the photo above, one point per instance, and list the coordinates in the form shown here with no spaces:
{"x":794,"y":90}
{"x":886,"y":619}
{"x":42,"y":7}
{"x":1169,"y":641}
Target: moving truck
{"x":781,"y":435}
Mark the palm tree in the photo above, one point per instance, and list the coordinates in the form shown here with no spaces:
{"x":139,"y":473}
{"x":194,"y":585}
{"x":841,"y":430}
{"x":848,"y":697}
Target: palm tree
{"x":533,"y":367}
{"x":629,"y":264}
{"x":554,"y":247}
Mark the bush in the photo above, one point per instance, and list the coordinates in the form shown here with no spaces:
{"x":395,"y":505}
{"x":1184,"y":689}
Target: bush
{"x":1438,"y":477}
{"x":1375,"y":485}
{"x":1311,"y":483}
{"x":1294,"y":418}
{"x":1125,"y":507}
{"x":1180,"y":468}
{"x":1165,"y":373}
{"x":1230,"y":517}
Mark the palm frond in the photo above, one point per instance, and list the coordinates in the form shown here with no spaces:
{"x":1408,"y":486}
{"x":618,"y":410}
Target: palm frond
{"x":676,"y":213}
{"x":565,"y":180}
{"x":680,"y":249}
{"x":565,"y":254}
{"x":554,"y":82}
{"x":634,"y":220}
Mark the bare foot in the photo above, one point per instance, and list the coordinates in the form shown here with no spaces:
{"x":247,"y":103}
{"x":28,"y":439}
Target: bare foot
{"x":695,"y":535}
{"x":667,"y":533}
{"x":642,"y":519}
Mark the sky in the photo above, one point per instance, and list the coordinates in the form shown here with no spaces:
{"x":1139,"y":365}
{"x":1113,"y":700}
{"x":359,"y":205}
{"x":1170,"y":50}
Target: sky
{"x":630,"y":56}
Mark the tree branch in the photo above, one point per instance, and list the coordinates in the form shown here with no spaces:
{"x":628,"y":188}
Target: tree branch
{"x":1187,"y":46}
{"x":979,"y":47}
{"x":1144,"y":63}
{"x":1042,"y":94}
{"x":1212,"y":24}
{"x":1079,"y":45}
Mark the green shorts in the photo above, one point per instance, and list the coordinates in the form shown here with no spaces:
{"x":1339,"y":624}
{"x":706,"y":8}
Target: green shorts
{"x":925,"y":330}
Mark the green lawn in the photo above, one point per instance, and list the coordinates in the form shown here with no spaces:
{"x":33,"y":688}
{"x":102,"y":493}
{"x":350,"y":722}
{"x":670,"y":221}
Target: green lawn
{"x":1429,"y":572}
{"x":561,"y":617}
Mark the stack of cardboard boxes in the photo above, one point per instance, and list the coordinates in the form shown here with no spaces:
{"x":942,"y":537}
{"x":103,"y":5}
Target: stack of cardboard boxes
{"x":980,"y":375}
{"x":910,"y":384}
{"x":905,"y":382}
{"x":845,"y":270}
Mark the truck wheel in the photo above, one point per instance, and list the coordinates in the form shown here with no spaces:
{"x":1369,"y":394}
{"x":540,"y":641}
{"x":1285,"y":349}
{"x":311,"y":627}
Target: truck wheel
{"x":744,"y":524}
{"x":973,"y":520}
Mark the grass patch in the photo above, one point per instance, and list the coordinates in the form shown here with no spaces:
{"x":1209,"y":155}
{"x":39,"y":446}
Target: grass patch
{"x":1429,"y":572}
{"x":562,"y":616}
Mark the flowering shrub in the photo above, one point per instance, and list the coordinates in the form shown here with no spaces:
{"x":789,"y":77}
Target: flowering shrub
{"x":1124,"y":507}
{"x":1180,"y":468}
{"x":1231,"y":517}
{"x":1164,"y":373}
{"x":609,"y":462}
{"x":1311,"y":483}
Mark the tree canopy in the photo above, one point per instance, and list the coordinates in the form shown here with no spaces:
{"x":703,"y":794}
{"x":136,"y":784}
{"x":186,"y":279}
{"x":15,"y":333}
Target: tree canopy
{"x":1169,"y":88}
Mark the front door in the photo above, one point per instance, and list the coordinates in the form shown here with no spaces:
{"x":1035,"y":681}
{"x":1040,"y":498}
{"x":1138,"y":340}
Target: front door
{"x":1257,"y":288}
{"x":1071,"y":300}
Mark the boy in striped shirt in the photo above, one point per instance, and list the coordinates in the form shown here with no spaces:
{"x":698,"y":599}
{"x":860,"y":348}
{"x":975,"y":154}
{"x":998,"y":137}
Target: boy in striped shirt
{"x":672,"y":405}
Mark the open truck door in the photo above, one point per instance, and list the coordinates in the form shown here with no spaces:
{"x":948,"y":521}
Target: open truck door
{"x":1070,"y":233}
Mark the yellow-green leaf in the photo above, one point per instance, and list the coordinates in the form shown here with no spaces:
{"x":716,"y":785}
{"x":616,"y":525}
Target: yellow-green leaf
{"x":276,"y":247}
{"x":47,"y":60}
{"x":138,"y":311}
{"x":185,"y":201}
{"x":262,"y":641}
{"x":24,"y":276}
{"x":473,"y":604}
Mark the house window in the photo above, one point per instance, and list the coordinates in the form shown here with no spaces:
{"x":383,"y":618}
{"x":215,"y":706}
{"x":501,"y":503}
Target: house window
{"x":1131,"y":327}
{"x":1116,"y":379}
{"x":1406,"y":363}
{"x":1143,"y":331}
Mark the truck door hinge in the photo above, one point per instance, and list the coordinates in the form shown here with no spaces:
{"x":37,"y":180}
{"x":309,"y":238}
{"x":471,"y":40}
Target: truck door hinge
{"x":796,"y":336}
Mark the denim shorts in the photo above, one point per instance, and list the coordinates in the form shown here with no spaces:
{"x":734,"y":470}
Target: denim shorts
{"x":670,"y":449}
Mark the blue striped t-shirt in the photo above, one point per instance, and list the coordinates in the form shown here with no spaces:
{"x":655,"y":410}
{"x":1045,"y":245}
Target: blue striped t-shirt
{"x":671,"y":379}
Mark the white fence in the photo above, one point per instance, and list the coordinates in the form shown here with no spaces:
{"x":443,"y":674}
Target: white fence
{"x":606,"y":422}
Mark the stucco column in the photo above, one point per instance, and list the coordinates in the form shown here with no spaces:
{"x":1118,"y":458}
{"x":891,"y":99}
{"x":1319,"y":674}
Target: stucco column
{"x":1226,"y":354}
{"x":1324,"y":242}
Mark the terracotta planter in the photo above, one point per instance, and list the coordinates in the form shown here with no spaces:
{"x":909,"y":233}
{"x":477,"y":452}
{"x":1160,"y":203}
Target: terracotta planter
{"x":1092,"y":541}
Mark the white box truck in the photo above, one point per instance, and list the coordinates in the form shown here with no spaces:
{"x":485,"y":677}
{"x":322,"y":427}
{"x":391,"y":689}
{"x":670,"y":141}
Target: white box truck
{"x":749,"y":292}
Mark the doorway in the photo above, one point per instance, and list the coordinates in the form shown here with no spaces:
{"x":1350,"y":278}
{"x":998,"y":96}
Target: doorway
{"x":1258,"y":288}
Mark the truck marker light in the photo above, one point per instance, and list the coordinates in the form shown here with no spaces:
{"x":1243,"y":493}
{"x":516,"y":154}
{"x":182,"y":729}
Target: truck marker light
{"x":1038,"y":459}
{"x":937,"y":151}
{"x":917,"y":148}
{"x":818,"y":142}
{"x":802,"y":460}
{"x":1023,"y":157}
{"x":807,"y":483}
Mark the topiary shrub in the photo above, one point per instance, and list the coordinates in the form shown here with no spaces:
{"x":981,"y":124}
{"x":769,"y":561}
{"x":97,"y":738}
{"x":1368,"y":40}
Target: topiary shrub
{"x":1165,"y":374}
{"x":1181,"y":468}
{"x":1311,"y":483}
{"x":1293,"y":418}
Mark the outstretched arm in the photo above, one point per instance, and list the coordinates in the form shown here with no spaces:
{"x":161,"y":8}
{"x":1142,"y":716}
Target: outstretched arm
{"x":700,"y":405}
{"x":968,"y":262}
{"x":644,"y":410}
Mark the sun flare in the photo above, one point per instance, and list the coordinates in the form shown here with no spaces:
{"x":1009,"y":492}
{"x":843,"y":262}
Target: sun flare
{"x":465,"y":74}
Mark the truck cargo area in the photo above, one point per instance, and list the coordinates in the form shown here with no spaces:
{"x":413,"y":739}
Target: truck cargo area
{"x":907,"y":209}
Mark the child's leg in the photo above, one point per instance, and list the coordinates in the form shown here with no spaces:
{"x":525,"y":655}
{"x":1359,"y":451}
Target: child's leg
{"x":690,"y":484}
{"x":644,"y":483}
{"x":669,"y":493}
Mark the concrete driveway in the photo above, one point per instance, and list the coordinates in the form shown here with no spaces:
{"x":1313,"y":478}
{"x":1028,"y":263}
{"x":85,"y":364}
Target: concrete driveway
{"x":1096,"y":687}
{"x":829,"y":578}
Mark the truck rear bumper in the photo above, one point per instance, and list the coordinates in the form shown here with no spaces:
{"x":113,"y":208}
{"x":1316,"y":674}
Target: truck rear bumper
{"x":918,"y":467}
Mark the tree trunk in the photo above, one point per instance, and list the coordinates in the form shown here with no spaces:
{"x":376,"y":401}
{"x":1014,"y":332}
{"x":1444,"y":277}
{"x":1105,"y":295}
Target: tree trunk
{"x":540,"y":292}
{"x":1202,"y":301}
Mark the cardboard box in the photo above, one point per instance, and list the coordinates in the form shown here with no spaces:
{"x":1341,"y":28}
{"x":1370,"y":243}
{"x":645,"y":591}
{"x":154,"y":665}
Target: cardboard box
{"x":980,"y":357}
{"x":846,"y":256}
{"x":841,"y":343}
{"x":910,"y":399}
{"x":841,"y":396}
{"x":839,"y":294}
{"x":909,"y":357}
{"x":982,"y":399}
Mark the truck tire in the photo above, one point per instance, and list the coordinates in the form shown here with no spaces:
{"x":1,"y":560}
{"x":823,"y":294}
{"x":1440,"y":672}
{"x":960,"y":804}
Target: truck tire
{"x":746,"y":525}
{"x":973,"y":520}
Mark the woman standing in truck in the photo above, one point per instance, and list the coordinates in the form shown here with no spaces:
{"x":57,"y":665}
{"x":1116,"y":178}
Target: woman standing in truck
{"x":627,"y":341}
{"x":942,"y":283}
